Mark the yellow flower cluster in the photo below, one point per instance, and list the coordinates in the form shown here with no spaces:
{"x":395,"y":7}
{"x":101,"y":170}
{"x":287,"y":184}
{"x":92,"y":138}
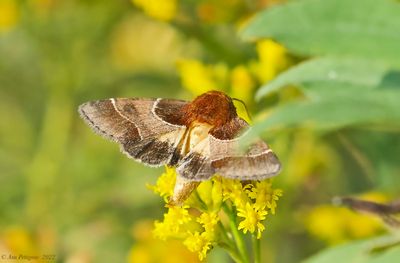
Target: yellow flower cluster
{"x":339,"y":224}
{"x":9,"y":15}
{"x":253,"y":201}
{"x":199,"y":78}
{"x":165,"y":183}
{"x":202,"y":241}
{"x":145,"y":245}
{"x":272,"y":60}
{"x":199,"y":222}
{"x":164,"y":10}
{"x":241,"y":80}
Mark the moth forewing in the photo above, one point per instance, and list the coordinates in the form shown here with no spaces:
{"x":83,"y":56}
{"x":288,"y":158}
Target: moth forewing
{"x":143,"y":135}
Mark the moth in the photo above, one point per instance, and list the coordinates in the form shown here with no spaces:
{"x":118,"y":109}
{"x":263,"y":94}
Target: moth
{"x":200,"y":138}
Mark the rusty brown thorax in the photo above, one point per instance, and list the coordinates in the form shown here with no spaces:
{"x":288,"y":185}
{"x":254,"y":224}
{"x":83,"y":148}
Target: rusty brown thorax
{"x":213,"y":107}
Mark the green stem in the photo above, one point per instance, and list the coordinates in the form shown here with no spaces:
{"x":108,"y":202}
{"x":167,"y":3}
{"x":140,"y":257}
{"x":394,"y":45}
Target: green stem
{"x":233,"y":253}
{"x":256,"y":249}
{"x":225,"y":233}
{"x":237,"y":236}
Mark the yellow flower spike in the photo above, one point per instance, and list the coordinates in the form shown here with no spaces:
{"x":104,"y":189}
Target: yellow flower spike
{"x":174,"y":219}
{"x":178,"y":215}
{"x":9,"y":15}
{"x":162,"y":230}
{"x":198,"y":243}
{"x":242,"y":84}
{"x":209,"y":221}
{"x":18,"y":240}
{"x":252,"y":219}
{"x":233,"y":190}
{"x":272,"y":60}
{"x":164,"y":10}
{"x":275,"y":197}
{"x":165,"y":183}
{"x":269,"y":50}
{"x":204,"y":190}
{"x":338,"y":224}
{"x":264,"y":195}
{"x":196,"y":77}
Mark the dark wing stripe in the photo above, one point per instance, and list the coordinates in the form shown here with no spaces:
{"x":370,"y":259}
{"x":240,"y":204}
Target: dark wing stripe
{"x":149,"y":151}
{"x":132,"y":123}
{"x":195,"y":167}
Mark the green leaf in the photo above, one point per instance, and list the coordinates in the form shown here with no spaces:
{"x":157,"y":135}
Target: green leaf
{"x":349,"y":253}
{"x":361,"y":252}
{"x":392,"y":255}
{"x":335,"y":112}
{"x":331,"y":73}
{"x":356,"y":28}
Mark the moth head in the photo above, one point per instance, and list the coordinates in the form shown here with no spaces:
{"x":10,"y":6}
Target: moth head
{"x":213,"y":107}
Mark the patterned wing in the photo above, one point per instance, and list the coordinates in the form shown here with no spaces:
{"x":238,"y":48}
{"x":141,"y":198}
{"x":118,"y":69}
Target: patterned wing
{"x":149,"y":130}
{"x":221,"y":152}
{"x":228,"y":159}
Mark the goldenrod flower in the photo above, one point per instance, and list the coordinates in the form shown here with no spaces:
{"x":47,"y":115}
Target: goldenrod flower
{"x":252,"y":219}
{"x":196,"y":77}
{"x":145,"y":245}
{"x":210,"y":193}
{"x":272,"y":60}
{"x":234,"y":191}
{"x":199,"y":243}
{"x":242,"y":84}
{"x":174,"y":219}
{"x":264,"y":195}
{"x":272,"y":204}
{"x":165,"y":183}
{"x":9,"y":14}
{"x":338,"y":224}
{"x":164,"y":10}
{"x":209,"y":222}
{"x":198,"y":223}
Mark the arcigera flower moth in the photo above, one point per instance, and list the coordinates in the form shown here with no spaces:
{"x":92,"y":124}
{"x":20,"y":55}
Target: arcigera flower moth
{"x":199,"y":138}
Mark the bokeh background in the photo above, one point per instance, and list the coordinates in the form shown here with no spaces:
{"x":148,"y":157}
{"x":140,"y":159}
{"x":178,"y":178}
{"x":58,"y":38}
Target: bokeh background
{"x":66,"y":192}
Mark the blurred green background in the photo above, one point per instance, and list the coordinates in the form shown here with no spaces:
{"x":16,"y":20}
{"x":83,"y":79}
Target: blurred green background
{"x":333,"y":120}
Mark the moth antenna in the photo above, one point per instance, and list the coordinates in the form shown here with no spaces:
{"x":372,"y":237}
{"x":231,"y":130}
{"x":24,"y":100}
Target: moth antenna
{"x":247,"y":111}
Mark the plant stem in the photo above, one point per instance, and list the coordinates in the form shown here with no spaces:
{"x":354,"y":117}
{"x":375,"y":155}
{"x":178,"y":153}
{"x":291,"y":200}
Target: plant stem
{"x":225,"y":233}
{"x":256,"y":249}
{"x":237,"y":236}
{"x":232,"y":251}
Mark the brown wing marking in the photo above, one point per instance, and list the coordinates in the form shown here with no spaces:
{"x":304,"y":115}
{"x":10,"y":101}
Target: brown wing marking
{"x":257,"y":164}
{"x":102,"y":117}
{"x":228,"y":159}
{"x":144,"y":128}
